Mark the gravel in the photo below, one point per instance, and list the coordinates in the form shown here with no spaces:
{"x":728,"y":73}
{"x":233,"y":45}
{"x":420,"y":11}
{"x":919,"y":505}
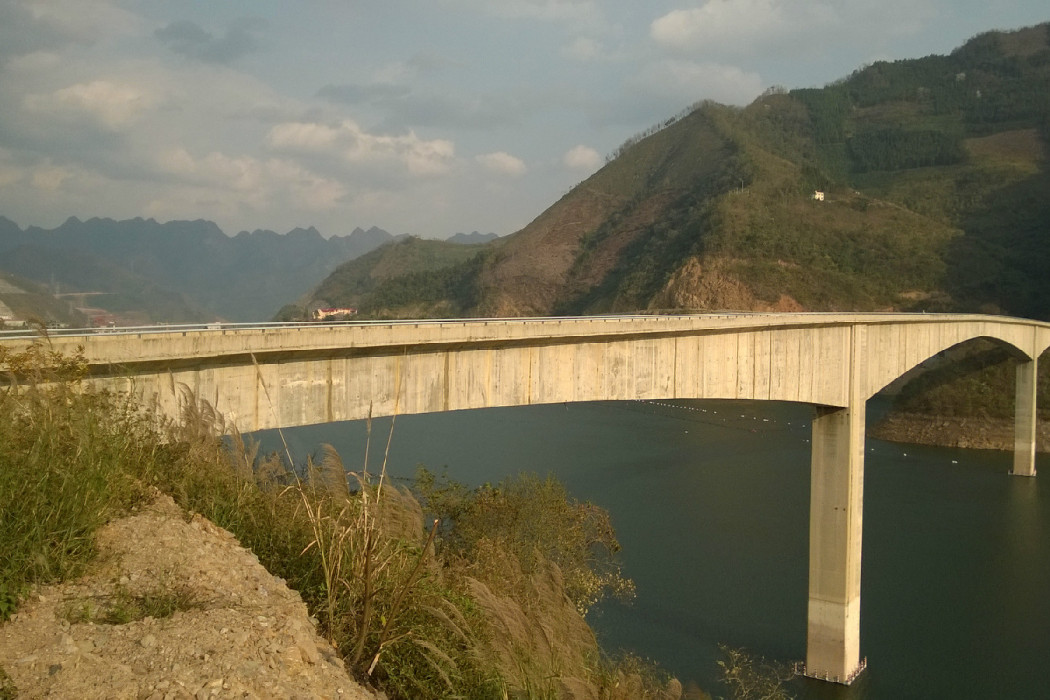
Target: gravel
{"x":240,"y":632}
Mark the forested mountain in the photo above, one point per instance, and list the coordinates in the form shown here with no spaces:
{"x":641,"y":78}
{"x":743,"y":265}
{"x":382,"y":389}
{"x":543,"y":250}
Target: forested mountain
{"x":409,"y":277}
{"x":936,"y":196}
{"x":180,"y":270}
{"x":472,"y":238}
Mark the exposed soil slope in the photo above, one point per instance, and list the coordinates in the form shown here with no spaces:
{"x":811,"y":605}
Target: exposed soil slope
{"x":245,"y":633}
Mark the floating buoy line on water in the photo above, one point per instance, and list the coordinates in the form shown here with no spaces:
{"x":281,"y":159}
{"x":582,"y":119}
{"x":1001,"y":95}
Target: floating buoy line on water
{"x":728,"y":419}
{"x":733,"y":421}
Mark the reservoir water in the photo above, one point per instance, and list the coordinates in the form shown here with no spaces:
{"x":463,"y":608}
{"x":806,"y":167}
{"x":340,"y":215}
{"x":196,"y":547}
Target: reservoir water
{"x":710,"y":500}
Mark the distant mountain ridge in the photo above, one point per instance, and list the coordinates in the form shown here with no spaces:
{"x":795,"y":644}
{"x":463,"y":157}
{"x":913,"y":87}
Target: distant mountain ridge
{"x":918,"y":184}
{"x":472,"y":238}
{"x":179,"y":270}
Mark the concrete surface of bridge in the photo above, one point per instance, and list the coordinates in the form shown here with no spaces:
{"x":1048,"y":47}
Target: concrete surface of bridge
{"x":287,"y":375}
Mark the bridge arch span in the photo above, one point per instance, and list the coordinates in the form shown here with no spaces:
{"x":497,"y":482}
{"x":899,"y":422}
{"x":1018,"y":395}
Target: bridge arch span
{"x":888,"y":352}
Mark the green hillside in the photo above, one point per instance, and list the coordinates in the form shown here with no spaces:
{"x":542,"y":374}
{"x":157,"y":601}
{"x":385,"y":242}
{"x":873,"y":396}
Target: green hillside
{"x":935,"y":183}
{"x":410,"y":277}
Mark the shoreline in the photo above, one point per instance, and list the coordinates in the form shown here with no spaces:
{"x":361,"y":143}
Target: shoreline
{"x":955,"y":431}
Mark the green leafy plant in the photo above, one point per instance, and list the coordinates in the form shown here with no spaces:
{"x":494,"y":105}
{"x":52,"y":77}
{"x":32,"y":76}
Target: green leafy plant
{"x":123,"y":606}
{"x":68,"y":465}
{"x":8,"y":689}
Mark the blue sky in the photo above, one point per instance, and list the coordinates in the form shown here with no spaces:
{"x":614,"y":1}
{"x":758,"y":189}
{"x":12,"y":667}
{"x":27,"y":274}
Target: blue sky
{"x":427,"y":117}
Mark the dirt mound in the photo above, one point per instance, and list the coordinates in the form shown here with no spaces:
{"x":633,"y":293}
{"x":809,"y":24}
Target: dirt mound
{"x":236,"y":630}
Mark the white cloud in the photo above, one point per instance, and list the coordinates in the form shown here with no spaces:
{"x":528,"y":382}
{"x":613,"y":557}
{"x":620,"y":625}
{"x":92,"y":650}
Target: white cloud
{"x":112,"y":105}
{"x":502,"y":163}
{"x":34,"y":63}
{"x":306,"y":137}
{"x":27,"y":26}
{"x":582,"y":158}
{"x":84,"y":20}
{"x":546,"y":10}
{"x":9,"y":176}
{"x":223,"y":186}
{"x":231,"y":190}
{"x":683,"y":82}
{"x":234,"y":173}
{"x":50,"y":178}
{"x":735,"y":26}
{"x":176,"y":161}
{"x":349,"y":142}
{"x":422,"y":157}
{"x":585,"y":49}
{"x":10,"y":173}
{"x":256,"y":178}
{"x":765,"y":28}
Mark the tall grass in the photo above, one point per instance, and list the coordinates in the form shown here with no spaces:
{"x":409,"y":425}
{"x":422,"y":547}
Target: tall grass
{"x":397,"y":598}
{"x":358,"y":557}
{"x":68,"y":461}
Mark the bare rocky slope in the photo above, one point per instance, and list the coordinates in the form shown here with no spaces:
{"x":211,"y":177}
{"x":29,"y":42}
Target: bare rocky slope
{"x":239,"y":632}
{"x":978,"y":433}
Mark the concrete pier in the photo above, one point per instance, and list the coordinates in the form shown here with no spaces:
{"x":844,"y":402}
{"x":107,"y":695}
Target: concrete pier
{"x":1024,"y":418}
{"x":835,"y":524}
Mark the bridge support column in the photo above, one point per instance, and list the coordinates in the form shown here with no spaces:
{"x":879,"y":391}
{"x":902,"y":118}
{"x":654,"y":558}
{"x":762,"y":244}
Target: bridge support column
{"x":1024,"y":419}
{"x":835,"y":520}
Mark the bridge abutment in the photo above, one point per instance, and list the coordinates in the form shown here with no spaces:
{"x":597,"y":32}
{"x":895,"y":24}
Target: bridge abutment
{"x":835,"y":525}
{"x":1025,"y":418}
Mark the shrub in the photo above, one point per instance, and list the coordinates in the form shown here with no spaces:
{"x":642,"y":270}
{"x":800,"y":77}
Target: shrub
{"x":530,"y":519}
{"x":749,"y":677}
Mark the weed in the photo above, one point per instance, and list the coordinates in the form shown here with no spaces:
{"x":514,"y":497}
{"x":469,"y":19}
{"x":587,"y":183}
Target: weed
{"x":10,"y":593}
{"x":8,"y":689}
{"x":123,"y":606}
{"x":68,"y":465}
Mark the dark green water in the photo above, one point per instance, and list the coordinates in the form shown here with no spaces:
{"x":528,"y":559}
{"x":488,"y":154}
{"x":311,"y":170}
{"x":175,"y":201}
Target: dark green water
{"x":710,"y":501}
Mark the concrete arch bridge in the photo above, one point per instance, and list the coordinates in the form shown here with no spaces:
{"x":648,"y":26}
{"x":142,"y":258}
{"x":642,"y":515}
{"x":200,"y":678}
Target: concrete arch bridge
{"x":287,"y":375}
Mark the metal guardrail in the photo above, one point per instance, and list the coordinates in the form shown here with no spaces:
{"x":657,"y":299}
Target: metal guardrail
{"x":252,"y":326}
{"x":35,"y":332}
